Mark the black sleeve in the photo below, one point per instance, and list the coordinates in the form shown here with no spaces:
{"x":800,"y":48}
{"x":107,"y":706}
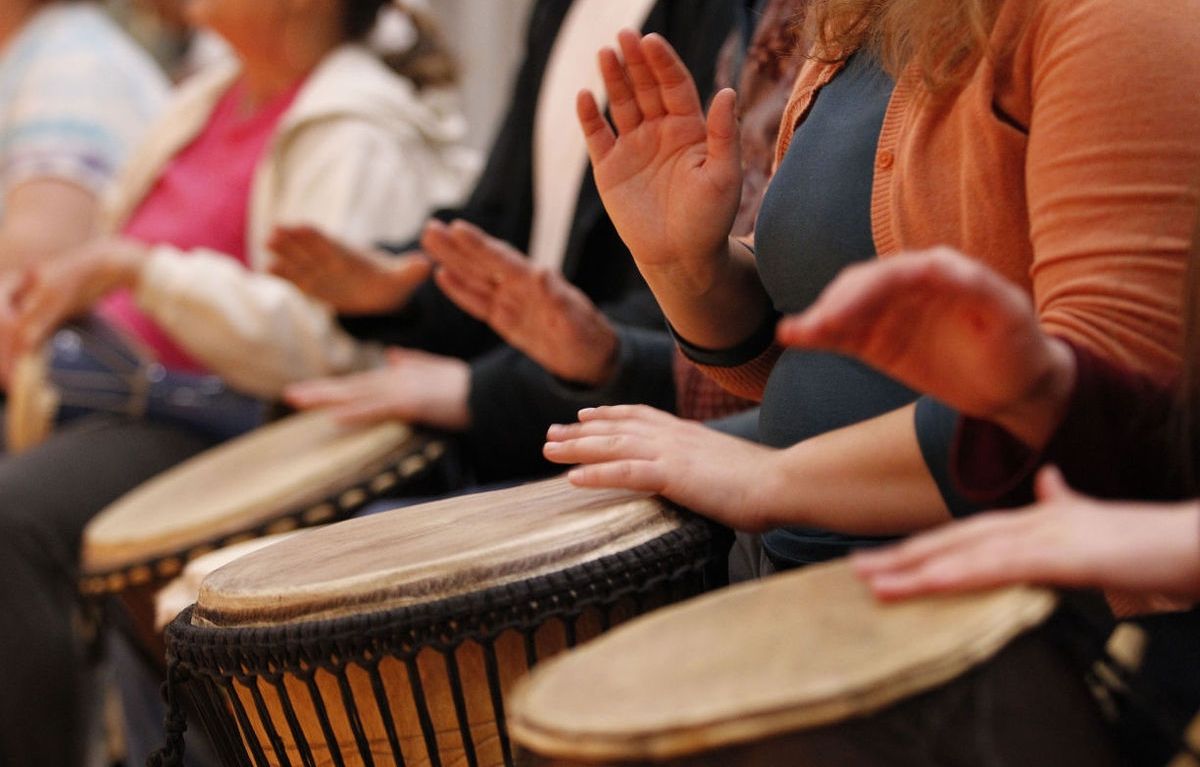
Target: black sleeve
{"x":513,"y":401}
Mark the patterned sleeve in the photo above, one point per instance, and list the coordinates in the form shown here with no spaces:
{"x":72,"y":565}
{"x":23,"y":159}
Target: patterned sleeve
{"x":76,"y":96}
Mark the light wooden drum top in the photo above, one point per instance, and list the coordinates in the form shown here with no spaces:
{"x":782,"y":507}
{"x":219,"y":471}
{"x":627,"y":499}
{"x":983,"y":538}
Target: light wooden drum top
{"x":299,"y":471}
{"x":428,"y":553}
{"x":794,"y":651}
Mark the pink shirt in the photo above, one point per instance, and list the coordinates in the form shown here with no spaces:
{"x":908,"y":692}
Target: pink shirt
{"x":200,"y":200}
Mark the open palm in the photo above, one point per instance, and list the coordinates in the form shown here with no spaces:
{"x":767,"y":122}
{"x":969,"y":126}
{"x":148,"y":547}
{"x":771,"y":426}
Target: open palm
{"x":532,"y":308}
{"x":669,"y":178}
{"x":945,"y":325}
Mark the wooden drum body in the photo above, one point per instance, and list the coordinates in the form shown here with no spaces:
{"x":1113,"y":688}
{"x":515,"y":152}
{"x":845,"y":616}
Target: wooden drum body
{"x":301,"y":471}
{"x":805,"y":669}
{"x":394,"y":639}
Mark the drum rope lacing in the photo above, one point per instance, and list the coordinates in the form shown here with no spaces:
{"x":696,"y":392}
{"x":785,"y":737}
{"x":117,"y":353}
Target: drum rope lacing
{"x":216,"y":660}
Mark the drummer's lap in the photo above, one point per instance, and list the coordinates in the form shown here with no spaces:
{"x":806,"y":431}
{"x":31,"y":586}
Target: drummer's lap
{"x":52,"y":490}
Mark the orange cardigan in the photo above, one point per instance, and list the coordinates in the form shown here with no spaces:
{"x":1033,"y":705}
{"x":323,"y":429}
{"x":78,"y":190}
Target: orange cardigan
{"x":1069,"y":162}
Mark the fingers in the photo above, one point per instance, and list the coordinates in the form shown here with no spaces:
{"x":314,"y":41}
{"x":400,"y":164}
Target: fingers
{"x":324,"y":392}
{"x":561,"y":432}
{"x":475,"y":258}
{"x":849,"y":309}
{"x":645,"y":85}
{"x":617,"y":446}
{"x":676,"y":87}
{"x":1051,"y":486}
{"x":364,"y":412}
{"x":622,"y":105}
{"x":597,"y":133}
{"x":627,"y":412}
{"x":411,"y":269}
{"x":38,"y":311}
{"x":471,"y":297}
{"x":966,"y":570}
{"x":640,"y":476}
{"x":487,"y":253}
{"x":307,"y":258}
{"x":724,"y":146}
{"x":925,"y":546}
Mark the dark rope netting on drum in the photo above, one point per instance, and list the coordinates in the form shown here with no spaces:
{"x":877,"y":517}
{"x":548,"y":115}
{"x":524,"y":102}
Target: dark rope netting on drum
{"x":225,"y":672}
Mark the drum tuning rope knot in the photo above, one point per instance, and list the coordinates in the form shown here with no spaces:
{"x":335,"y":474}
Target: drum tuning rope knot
{"x":175,"y":723}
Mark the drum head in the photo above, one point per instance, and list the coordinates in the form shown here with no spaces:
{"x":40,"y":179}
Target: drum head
{"x":32,"y":403}
{"x":790,"y":652}
{"x":291,"y":466}
{"x":422,"y":554}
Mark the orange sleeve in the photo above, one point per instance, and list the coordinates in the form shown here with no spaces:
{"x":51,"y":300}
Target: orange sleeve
{"x":1112,"y":170}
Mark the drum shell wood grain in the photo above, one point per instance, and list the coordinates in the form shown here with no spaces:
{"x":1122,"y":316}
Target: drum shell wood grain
{"x":371,"y":693}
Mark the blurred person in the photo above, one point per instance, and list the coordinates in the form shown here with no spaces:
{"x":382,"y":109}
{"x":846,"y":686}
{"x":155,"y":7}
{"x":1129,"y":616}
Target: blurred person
{"x":592,"y":335}
{"x":307,"y":126}
{"x":75,"y":97}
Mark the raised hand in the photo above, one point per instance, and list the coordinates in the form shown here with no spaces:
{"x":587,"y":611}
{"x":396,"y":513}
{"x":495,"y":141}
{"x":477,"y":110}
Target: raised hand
{"x":639,"y":448}
{"x":414,"y":386}
{"x":532,"y":308}
{"x":670,"y":180}
{"x":1064,"y":540}
{"x":948,"y":326}
{"x":352,"y":281}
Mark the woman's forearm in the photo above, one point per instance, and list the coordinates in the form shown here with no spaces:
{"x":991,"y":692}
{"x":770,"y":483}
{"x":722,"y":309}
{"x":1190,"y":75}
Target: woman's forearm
{"x":44,"y":217}
{"x":868,"y":479}
{"x":717,"y":308}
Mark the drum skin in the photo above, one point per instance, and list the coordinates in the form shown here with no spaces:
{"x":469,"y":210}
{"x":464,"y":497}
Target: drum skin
{"x":805,"y":668}
{"x":297,"y":472}
{"x":395,"y":639}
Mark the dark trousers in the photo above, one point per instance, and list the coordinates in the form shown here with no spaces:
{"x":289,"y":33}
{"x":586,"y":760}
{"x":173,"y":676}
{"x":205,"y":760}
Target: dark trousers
{"x":47,"y":496}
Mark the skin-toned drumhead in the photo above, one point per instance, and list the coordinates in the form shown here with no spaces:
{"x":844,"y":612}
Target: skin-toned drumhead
{"x":32,"y":404}
{"x":420,"y":554}
{"x":232,"y":488}
{"x":789,"y":652}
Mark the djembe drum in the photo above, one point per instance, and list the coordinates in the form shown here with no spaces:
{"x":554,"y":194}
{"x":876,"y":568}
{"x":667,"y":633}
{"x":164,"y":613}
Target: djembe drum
{"x":301,"y":471}
{"x":394,"y":639}
{"x":806,"y":668}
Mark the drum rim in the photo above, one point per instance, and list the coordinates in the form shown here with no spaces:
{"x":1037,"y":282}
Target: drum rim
{"x":416,"y":457}
{"x":1038,"y":609}
{"x":403,"y":632}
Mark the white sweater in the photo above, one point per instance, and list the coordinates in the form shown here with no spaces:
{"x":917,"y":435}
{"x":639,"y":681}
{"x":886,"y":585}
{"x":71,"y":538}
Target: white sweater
{"x":360,"y":154}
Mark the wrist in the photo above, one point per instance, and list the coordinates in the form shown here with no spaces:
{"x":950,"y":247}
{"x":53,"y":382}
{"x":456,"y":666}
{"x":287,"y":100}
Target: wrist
{"x":121,"y":264}
{"x":769,"y":491}
{"x":604,"y":356}
{"x":1035,"y":416}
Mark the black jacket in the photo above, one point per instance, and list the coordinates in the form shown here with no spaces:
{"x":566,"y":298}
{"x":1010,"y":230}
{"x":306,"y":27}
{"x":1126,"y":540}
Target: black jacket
{"x":512,"y":399}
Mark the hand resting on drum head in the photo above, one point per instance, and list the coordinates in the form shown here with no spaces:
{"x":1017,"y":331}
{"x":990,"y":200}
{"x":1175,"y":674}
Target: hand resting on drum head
{"x":1066,"y":539}
{"x":415,"y":386}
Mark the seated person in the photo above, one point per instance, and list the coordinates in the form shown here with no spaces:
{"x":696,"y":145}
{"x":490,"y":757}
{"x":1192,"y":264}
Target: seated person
{"x":77,"y":95}
{"x":877,"y":126}
{"x":535,"y":196}
{"x":1028,"y":399}
{"x":308,"y":126}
